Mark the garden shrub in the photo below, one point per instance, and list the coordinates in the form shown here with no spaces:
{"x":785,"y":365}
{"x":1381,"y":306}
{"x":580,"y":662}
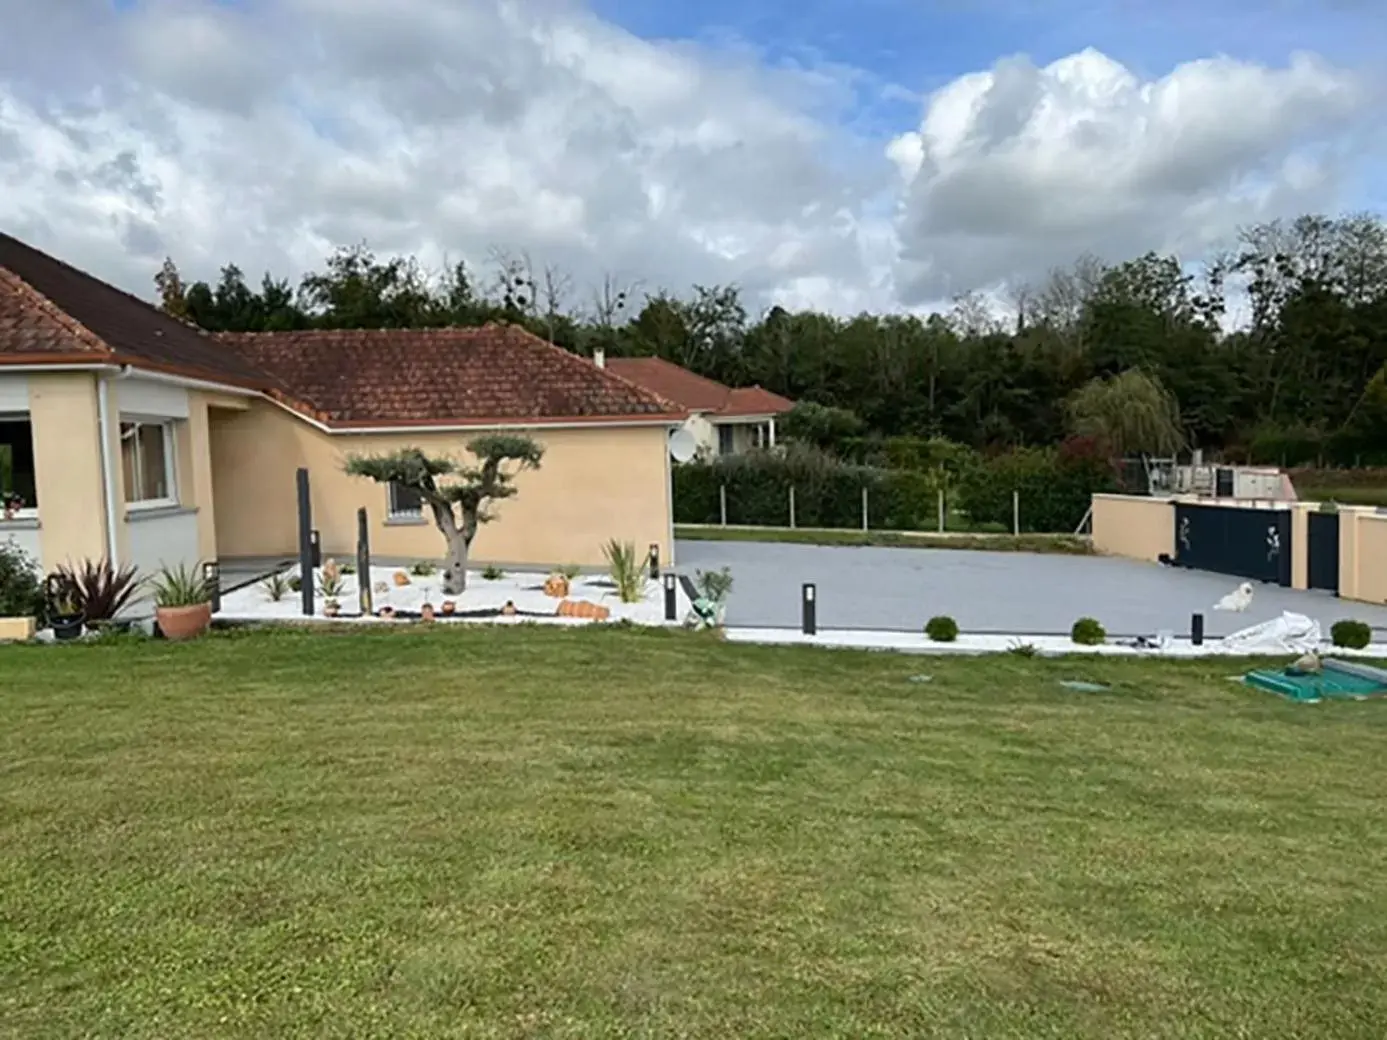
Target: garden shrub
{"x":1056,"y":486}
{"x":1088,"y":631}
{"x":941,"y":629}
{"x":937,"y":455}
{"x":21,"y":589}
{"x":1353,"y":635}
{"x":828,"y":492}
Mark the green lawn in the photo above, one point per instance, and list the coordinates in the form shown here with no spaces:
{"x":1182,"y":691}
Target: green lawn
{"x":1043,"y":543}
{"x":1364,"y":487}
{"x":534,"y":833}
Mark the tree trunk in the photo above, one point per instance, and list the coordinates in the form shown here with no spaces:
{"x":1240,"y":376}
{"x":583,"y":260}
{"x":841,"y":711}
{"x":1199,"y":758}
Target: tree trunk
{"x":454,"y":573}
{"x":455,"y":564}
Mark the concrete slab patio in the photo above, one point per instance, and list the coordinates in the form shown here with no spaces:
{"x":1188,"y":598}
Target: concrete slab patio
{"x":899,"y":589}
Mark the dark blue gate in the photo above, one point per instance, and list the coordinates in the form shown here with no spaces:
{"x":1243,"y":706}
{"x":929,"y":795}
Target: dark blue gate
{"x":1247,"y":543}
{"x":1322,"y":544}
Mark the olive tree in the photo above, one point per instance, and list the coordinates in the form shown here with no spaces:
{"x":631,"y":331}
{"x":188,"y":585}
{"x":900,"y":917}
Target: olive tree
{"x":458,"y":493}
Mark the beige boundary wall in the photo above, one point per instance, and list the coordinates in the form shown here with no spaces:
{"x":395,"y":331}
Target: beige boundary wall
{"x":1362,"y":554}
{"x":1142,"y":527}
{"x":596,"y":483}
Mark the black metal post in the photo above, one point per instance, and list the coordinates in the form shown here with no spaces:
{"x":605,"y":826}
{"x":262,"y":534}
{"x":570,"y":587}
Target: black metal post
{"x":363,"y":564}
{"x":317,"y":548}
{"x":654,"y":562}
{"x":212,"y":578}
{"x":1197,"y":629}
{"x":809,"y":610}
{"x":671,"y":604}
{"x":305,"y":544}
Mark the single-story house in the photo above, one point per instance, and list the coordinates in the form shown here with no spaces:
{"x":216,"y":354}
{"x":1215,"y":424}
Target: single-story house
{"x":128,"y":434}
{"x":723,"y":420}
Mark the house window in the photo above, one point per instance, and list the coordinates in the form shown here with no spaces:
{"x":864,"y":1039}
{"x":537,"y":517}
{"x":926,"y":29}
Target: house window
{"x":726,"y":444}
{"x":405,"y":503}
{"x":17,"y":462}
{"x":146,"y":460}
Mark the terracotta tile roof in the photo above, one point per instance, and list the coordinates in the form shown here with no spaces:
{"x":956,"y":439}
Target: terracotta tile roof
{"x":463,"y":376}
{"x":52,"y":312}
{"x":695,"y":392}
{"x":754,"y":400}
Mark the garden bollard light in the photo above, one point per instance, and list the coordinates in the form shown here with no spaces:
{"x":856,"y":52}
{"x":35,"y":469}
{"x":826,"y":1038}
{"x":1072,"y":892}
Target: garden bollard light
{"x":671,"y":606}
{"x":306,"y":536}
{"x":1197,"y":629}
{"x":809,"y":611}
{"x":654,"y":562}
{"x":212,"y":578}
{"x":317,"y":544}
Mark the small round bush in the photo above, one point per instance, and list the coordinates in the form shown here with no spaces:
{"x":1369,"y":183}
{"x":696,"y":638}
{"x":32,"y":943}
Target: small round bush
{"x":942,"y":629}
{"x":1088,"y":632}
{"x":21,"y":589}
{"x":1355,"y":635}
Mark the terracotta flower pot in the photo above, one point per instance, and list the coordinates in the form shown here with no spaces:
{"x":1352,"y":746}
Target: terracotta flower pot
{"x":449,"y":607}
{"x":426,"y":612}
{"x":179,"y":623}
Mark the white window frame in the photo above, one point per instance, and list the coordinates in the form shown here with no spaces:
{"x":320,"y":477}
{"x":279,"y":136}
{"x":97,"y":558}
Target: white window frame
{"x":393,"y":512}
{"x":28,"y":512}
{"x":170,"y":461}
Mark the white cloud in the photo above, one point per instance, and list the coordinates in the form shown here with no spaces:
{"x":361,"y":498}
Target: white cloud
{"x":267,"y":132}
{"x":1018,"y":168}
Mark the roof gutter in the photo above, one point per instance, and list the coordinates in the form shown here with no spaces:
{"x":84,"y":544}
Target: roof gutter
{"x":189,"y":383}
{"x":405,"y":428}
{"x":60,"y":368}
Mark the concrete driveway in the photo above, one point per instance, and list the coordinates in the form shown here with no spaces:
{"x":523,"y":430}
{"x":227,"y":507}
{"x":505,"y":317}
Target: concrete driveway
{"x":900,"y":589}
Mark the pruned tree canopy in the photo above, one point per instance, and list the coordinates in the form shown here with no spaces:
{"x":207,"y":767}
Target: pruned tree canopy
{"x":459,"y":494}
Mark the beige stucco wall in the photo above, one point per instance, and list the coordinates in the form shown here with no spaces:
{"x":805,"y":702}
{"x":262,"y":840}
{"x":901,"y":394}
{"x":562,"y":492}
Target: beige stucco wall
{"x":1136,"y":526}
{"x":1362,"y":554}
{"x":596,"y":483}
{"x":67,"y":466}
{"x":1372,"y":557}
{"x":1300,"y":543}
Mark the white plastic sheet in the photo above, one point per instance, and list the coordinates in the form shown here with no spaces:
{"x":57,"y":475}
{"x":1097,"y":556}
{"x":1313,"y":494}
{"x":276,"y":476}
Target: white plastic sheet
{"x":1289,"y":634}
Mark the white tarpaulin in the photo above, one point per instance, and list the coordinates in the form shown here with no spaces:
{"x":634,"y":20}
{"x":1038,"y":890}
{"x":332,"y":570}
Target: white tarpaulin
{"x":1288,"y":634}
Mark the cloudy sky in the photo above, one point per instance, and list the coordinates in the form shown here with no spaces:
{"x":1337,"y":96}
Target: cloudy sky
{"x":843,"y":154}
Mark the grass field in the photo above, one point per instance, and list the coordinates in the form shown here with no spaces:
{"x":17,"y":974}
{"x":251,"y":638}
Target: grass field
{"x":1042,"y":543}
{"x":534,"y":833}
{"x":1364,"y":487}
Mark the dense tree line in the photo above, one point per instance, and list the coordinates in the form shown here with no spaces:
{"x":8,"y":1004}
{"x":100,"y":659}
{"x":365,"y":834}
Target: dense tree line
{"x":1133,"y":352}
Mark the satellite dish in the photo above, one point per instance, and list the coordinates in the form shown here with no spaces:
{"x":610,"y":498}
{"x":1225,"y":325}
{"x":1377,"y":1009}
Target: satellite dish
{"x":683,"y":445}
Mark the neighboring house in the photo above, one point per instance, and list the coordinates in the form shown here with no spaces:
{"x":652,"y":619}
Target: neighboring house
{"x":132,"y":435}
{"x":725,"y":421}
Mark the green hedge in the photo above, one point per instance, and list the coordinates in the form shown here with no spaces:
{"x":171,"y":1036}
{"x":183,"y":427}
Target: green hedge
{"x":828,"y":492}
{"x":1055,"y":491}
{"x":922,"y":454}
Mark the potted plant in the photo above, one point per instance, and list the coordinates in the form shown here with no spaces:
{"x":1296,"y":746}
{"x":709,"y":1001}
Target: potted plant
{"x":426,"y":612}
{"x":64,"y":607}
{"x":330,"y":586}
{"x":182,"y":602}
{"x":99,"y":589}
{"x":22,"y":606}
{"x":710,"y":608}
{"x":11,"y":503}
